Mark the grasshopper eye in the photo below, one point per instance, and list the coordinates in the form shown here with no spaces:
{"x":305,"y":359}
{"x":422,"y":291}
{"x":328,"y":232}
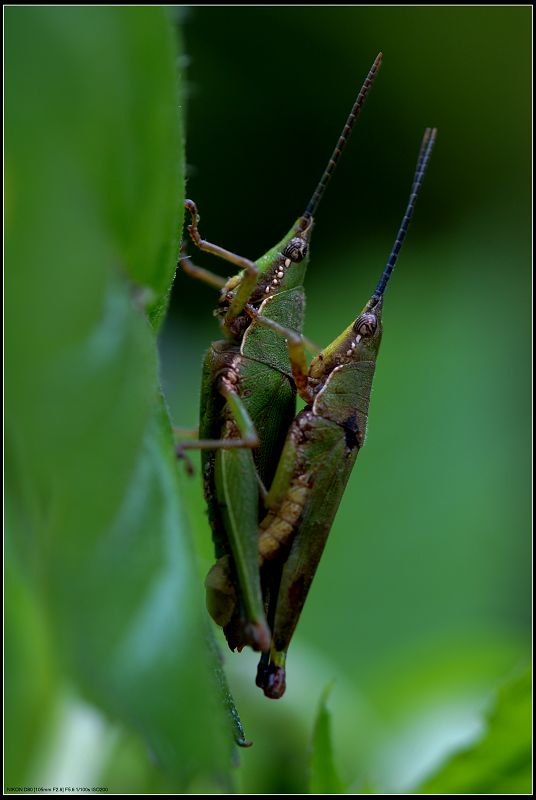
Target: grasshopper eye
{"x":296,"y":249}
{"x":366,"y":325}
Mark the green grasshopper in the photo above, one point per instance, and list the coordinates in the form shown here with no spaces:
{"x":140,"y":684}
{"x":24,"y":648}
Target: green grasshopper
{"x":248,"y":402}
{"x":319,"y":453}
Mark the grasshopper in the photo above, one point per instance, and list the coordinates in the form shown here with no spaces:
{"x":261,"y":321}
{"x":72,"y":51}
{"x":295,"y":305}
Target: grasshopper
{"x":318,"y":456}
{"x":248,"y":402}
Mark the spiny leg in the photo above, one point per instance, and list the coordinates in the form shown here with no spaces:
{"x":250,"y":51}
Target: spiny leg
{"x":237,"y":488}
{"x":251,"y":272}
{"x":248,"y":438}
{"x":271,"y":675}
{"x":271,"y":581}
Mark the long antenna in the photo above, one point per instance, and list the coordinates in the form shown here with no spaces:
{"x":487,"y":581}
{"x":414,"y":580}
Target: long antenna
{"x":422,"y":151}
{"x":422,"y":162}
{"x":310,"y":211}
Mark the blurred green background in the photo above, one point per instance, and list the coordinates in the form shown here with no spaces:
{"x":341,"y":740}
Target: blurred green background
{"x":421,"y":603}
{"x":420,"y":610}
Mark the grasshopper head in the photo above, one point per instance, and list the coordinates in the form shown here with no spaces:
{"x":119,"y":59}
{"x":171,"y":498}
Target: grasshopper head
{"x":284,"y":266}
{"x":359,"y":342}
{"x":280,"y":269}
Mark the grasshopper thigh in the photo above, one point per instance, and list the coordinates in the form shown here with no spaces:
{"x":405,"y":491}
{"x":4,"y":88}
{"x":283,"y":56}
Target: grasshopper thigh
{"x":237,"y":490}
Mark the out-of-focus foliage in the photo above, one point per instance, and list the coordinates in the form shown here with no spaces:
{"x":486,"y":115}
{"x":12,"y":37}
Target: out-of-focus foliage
{"x":421,"y":604}
{"x":324,"y":778}
{"x":30,"y":676}
{"x":501,"y":762}
{"x":101,"y":586}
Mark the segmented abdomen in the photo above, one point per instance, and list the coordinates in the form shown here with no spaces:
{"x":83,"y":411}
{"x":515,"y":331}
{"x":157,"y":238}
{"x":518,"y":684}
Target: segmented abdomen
{"x":278,"y":527}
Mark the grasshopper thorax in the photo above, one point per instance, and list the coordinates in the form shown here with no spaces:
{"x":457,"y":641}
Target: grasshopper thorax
{"x":284,"y":266}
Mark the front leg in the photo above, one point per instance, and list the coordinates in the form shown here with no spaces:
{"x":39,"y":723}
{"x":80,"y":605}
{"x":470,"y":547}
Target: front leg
{"x":199,"y":273}
{"x":248,"y":438}
{"x":250,"y":275}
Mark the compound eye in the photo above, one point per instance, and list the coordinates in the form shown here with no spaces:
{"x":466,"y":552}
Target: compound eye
{"x":366,"y":325}
{"x":296,"y":249}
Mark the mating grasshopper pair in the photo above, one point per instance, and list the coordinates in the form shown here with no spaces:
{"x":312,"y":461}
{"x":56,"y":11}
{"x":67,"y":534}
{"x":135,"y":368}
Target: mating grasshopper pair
{"x":268,"y":543}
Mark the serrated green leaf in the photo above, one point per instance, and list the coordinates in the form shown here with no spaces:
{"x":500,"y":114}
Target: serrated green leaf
{"x":93,"y":192}
{"x":324,"y":777}
{"x":501,"y":761}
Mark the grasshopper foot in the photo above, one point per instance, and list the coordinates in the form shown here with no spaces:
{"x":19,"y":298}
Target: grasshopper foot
{"x":273,"y":682}
{"x":181,"y":456}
